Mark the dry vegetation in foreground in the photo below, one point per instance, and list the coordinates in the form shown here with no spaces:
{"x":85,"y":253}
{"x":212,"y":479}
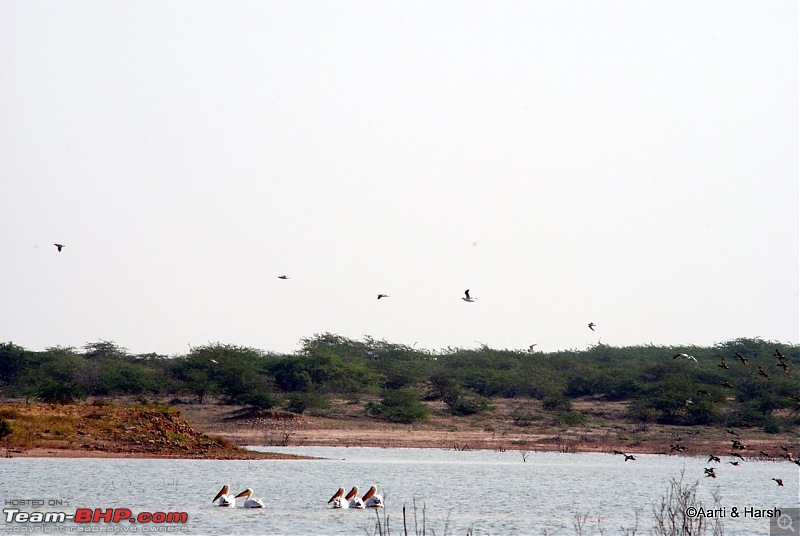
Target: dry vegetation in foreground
{"x":512,"y":424}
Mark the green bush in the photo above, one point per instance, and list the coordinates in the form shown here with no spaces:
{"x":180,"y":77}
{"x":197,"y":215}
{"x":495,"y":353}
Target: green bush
{"x":561,"y":403}
{"x":403,"y":406}
{"x":570,"y":418}
{"x":464,"y":403}
{"x":300,"y":402}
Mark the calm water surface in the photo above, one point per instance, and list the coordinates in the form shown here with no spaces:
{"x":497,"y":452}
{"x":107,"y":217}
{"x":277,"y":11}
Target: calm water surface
{"x":485,"y":492}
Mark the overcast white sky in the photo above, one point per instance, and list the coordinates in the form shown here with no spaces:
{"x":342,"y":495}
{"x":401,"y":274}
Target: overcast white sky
{"x":629,"y":163}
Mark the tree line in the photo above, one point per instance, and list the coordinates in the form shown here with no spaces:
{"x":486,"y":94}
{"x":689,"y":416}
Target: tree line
{"x":657,"y":386}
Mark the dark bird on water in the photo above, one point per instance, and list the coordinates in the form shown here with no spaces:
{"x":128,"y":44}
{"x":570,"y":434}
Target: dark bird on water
{"x":737,"y":455}
{"x":382,"y":296}
{"x":467,"y":297}
{"x":734,"y":463}
{"x":629,"y":457}
{"x":779,"y":481}
{"x":59,"y":246}
{"x":592,"y":325}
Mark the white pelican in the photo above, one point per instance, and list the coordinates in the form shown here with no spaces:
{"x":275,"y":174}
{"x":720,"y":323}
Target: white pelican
{"x":467,"y":297}
{"x":685,"y":356}
{"x":250,"y":503}
{"x":354,"y":501}
{"x":372,"y":499}
{"x":225,"y":498}
{"x":338,"y":500}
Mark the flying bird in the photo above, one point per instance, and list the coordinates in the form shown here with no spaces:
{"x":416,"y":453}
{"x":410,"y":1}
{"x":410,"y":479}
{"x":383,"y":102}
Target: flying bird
{"x":723,"y":364}
{"x":727,"y":384}
{"x":779,"y":481}
{"x":737,"y":455}
{"x":713,"y":458}
{"x":382,"y":296}
{"x":742,"y":358}
{"x":685,"y":356}
{"x":710,"y":472}
{"x":762,"y":373}
{"x":592,"y":325}
{"x":629,"y":457}
{"x":467,"y":297}
{"x":59,"y":246}
{"x":779,"y":355}
{"x":736,"y":464}
{"x":283,"y":277}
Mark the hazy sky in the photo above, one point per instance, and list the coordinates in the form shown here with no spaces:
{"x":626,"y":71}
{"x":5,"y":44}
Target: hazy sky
{"x":629,"y":163}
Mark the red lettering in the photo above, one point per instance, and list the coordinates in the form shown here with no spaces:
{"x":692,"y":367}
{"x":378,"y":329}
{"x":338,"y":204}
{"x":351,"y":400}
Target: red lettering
{"x":100,"y":515}
{"x":120,"y":514}
{"x":159,"y":517}
{"x":144,"y":517}
{"x":177,"y":517}
{"x":83,"y":515}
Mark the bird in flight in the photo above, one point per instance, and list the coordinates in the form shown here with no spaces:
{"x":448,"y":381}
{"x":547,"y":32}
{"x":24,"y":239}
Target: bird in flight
{"x":779,"y":481}
{"x":723,"y":363}
{"x":685,"y":356}
{"x":467,"y":297}
{"x":762,"y":372}
{"x":283,"y":277}
{"x":382,"y":296}
{"x":592,"y":325}
{"x":629,"y":457}
{"x":742,"y":358}
{"x":59,"y":247}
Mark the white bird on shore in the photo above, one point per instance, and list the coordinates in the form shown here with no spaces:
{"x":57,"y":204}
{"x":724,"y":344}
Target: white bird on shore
{"x":225,"y":498}
{"x":250,"y":503}
{"x":372,"y":499}
{"x":338,"y":499}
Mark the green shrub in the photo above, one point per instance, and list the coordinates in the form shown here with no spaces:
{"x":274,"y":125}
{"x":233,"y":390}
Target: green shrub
{"x":463,"y":403}
{"x":403,"y":406}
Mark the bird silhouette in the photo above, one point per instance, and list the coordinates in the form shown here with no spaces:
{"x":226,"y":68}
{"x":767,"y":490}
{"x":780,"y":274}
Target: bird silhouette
{"x":741,"y":358}
{"x":710,"y":472}
{"x":737,"y":455}
{"x":629,"y":457}
{"x":382,"y":296}
{"x":467,"y":297}
{"x":59,"y":247}
{"x":723,"y":364}
{"x":779,"y":355}
{"x":283,"y":277}
{"x":713,"y":458}
{"x":734,"y":463}
{"x":779,"y":481}
{"x":592,"y":325}
{"x":727,"y":384}
{"x":685,"y":356}
{"x":761,"y":372}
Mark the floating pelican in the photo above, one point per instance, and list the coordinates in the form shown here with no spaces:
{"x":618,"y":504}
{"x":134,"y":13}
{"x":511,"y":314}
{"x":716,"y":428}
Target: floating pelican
{"x":685,"y":356}
{"x":225,"y":498}
{"x":353,"y":500}
{"x":372,"y":499}
{"x":338,"y":499}
{"x":250,"y":503}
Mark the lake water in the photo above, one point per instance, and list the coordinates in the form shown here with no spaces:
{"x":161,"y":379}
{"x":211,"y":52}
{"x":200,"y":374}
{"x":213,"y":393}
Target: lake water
{"x":473,"y":492}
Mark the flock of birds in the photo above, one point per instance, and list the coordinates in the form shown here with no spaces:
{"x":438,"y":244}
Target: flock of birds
{"x":736,"y":444}
{"x":228,"y":500}
{"x":371,"y":499}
